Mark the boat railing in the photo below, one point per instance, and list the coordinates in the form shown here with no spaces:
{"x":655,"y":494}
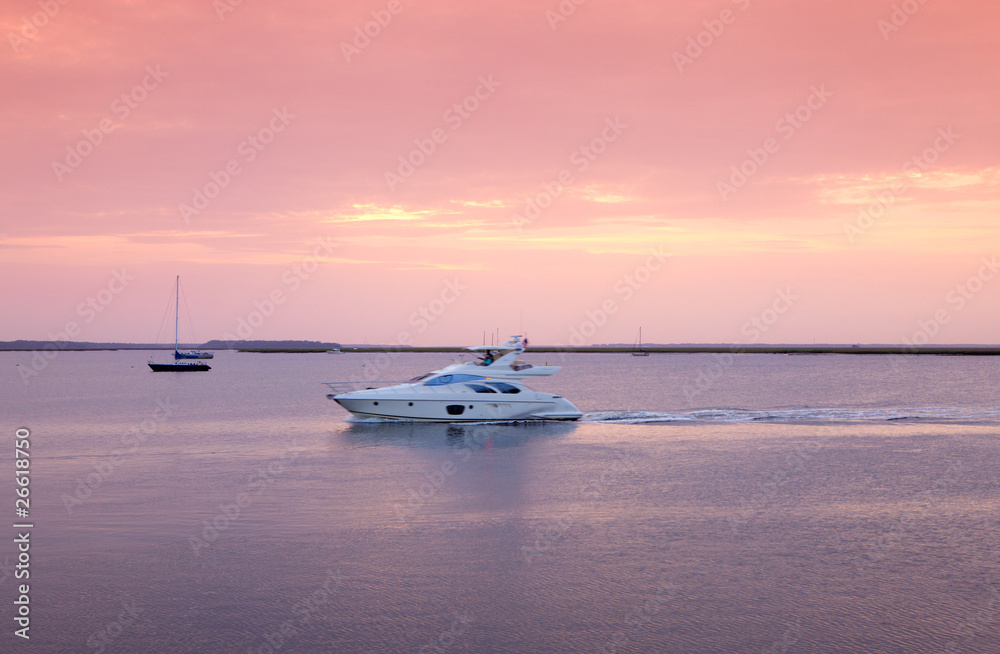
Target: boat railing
{"x":336,"y":388}
{"x":348,"y":386}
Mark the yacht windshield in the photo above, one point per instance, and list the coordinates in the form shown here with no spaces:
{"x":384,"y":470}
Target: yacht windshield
{"x":452,"y":379}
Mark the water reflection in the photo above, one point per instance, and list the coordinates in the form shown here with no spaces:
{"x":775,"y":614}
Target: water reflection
{"x":454,"y":505}
{"x":439,"y":473}
{"x":437,"y":435}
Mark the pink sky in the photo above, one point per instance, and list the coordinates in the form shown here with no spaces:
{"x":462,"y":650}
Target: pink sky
{"x":661,"y":132}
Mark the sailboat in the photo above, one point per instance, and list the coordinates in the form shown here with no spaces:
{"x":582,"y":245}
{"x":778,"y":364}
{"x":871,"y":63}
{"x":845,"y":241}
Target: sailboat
{"x":637,"y":350}
{"x":179,"y":365}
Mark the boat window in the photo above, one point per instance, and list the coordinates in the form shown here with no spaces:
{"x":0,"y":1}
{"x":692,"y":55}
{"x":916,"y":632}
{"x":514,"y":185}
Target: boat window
{"x":452,"y":379}
{"x":479,"y":388}
{"x":504,"y":387}
{"x":466,"y":378}
{"x":455,"y":409}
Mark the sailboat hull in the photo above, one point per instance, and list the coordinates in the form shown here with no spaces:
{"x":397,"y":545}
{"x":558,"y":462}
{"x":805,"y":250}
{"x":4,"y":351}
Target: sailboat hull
{"x":178,"y":367}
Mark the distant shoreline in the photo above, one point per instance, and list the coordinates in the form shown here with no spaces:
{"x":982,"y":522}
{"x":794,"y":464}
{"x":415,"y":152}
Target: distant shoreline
{"x":986,"y":350}
{"x":946,"y":350}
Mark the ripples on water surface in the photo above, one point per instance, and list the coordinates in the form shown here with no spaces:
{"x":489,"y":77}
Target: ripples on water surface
{"x":775,"y":503}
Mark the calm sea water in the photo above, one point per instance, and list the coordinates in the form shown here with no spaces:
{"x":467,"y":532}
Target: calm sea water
{"x":704,"y":504}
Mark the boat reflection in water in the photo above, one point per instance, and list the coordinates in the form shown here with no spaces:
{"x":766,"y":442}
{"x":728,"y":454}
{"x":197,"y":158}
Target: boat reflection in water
{"x":437,"y":435}
{"x":476,"y":477}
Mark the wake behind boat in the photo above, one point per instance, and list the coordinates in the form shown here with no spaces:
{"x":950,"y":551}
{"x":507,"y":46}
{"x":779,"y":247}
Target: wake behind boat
{"x":488,"y":389}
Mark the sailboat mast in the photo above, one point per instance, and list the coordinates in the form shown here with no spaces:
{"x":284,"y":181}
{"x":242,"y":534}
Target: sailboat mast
{"x":177,"y":309}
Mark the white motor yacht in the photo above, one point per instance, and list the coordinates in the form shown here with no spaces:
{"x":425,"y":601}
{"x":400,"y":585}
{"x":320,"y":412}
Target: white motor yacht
{"x":487,"y":389}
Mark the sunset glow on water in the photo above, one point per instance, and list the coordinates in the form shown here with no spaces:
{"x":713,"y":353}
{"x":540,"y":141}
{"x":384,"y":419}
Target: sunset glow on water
{"x":384,"y":182}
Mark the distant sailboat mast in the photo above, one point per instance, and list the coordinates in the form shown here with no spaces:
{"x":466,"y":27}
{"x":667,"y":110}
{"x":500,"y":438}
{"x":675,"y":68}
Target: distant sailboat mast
{"x":637,"y":350}
{"x":177,"y":310}
{"x":177,"y":316}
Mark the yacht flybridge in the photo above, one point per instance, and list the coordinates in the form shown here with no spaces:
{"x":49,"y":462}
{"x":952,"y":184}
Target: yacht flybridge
{"x":487,"y":389}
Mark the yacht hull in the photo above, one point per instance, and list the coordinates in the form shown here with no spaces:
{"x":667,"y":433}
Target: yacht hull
{"x":458,"y":409}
